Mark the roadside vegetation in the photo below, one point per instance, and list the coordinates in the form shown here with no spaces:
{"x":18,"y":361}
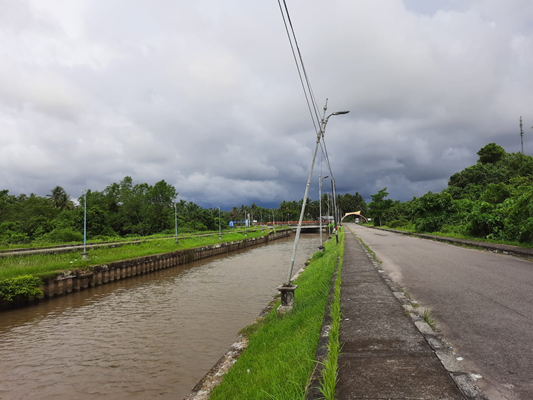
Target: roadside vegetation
{"x":45,"y":264}
{"x":125,"y":211}
{"x":331,"y":364}
{"x":280,"y":357}
{"x":20,"y":277}
{"x":491,"y":200}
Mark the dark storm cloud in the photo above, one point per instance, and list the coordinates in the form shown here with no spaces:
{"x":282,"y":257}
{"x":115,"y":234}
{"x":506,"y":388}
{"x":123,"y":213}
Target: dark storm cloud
{"x":206,"y":96}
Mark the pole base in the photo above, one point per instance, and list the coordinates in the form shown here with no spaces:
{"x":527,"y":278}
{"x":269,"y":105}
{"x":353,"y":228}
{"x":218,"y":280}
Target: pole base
{"x":219,"y":237}
{"x":84,"y":256}
{"x":287,"y":298}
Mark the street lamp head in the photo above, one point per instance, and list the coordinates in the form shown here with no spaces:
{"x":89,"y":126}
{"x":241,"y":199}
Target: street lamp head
{"x":340,"y":112}
{"x":327,"y":176}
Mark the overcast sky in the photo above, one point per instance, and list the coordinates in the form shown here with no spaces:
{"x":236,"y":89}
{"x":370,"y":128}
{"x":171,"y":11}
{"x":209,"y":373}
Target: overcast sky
{"x":205,"y":94}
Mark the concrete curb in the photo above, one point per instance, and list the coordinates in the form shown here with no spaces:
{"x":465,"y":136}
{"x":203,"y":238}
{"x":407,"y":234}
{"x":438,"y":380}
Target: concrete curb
{"x":464,"y":381}
{"x":493,"y":247}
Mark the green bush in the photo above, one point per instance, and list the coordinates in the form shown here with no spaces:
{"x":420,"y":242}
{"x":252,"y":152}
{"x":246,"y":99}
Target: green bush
{"x":16,"y":238}
{"x":485,"y":221}
{"x":398,"y":223}
{"x":24,"y":286}
{"x":62,"y":235}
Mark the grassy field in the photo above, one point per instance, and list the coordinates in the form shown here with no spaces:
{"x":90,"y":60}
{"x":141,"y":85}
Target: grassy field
{"x":118,"y":239}
{"x":45,"y":264}
{"x":280,"y":357}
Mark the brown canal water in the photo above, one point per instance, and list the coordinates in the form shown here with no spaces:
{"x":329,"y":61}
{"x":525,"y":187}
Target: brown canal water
{"x":144,"y":337}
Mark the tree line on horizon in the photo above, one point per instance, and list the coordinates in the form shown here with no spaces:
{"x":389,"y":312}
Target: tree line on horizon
{"x":126,"y":209}
{"x":492,"y":199}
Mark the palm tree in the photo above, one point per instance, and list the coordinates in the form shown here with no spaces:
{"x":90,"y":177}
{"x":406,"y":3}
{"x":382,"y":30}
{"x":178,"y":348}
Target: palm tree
{"x":253,"y":209}
{"x":60,"y":198}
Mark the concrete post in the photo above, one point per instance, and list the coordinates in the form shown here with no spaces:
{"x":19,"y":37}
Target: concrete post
{"x":287,"y":298}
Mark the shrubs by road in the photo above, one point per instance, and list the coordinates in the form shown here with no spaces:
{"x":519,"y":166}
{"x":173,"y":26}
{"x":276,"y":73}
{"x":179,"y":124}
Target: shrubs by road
{"x":492,"y":199}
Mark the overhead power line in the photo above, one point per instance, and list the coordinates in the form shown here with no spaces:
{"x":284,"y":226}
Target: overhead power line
{"x":298,"y":59}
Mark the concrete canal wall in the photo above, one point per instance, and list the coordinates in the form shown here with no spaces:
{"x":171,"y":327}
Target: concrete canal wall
{"x":76,"y":280}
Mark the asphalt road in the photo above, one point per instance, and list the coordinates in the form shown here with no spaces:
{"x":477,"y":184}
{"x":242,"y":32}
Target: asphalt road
{"x":482,"y":303}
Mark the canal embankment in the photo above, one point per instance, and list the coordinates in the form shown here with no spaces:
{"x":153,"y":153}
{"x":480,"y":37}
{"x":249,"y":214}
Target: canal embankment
{"x":149,"y":336}
{"x":59,"y":283}
{"x":74,"y":247}
{"x":275,"y":356}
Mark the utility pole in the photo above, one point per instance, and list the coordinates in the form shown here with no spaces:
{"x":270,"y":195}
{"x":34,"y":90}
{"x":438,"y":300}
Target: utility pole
{"x":319,"y":136}
{"x":176,"y":219}
{"x":84,"y":255}
{"x":219,"y":226}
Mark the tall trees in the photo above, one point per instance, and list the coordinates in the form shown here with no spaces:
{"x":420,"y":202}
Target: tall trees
{"x":491,"y":154}
{"x":60,"y":198}
{"x":348,"y":203}
{"x":379,"y":205}
{"x":491,"y":199}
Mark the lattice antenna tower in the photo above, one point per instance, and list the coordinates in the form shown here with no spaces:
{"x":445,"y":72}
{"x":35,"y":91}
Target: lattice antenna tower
{"x":521,"y":136}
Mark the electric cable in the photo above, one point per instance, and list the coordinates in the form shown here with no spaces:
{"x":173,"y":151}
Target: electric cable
{"x":311,"y":104}
{"x":302,"y":63}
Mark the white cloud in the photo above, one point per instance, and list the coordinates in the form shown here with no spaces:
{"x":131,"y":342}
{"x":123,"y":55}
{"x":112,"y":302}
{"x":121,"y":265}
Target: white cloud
{"x":206,"y":96}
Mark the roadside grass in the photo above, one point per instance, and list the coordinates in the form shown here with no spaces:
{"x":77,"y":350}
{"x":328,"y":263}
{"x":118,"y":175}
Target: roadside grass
{"x":280,"y":357}
{"x":118,"y":239}
{"x":428,"y":317}
{"x":459,"y":236}
{"x":331,"y":366}
{"x":46,"y":264}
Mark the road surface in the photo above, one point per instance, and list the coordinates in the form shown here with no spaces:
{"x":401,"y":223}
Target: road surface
{"x":482,"y":303}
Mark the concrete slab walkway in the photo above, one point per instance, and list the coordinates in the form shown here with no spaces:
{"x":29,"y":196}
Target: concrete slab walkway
{"x":384,"y":356}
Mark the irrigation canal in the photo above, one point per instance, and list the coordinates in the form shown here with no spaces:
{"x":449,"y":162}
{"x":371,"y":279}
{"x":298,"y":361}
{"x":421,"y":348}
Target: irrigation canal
{"x":149,"y":336}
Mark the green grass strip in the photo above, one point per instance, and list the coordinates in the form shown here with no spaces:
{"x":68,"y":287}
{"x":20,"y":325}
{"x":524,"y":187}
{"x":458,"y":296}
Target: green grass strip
{"x":458,"y":236}
{"x":35,"y":245}
{"x":46,"y":264}
{"x":331,"y":368}
{"x":280,"y":357}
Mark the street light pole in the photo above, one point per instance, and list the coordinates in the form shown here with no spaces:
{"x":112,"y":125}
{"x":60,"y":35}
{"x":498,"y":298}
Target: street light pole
{"x":84,"y":255}
{"x":334,"y":209}
{"x":176,"y":220}
{"x":329,"y":224}
{"x":219,"y":227}
{"x":320,"y":203}
{"x":319,"y":136}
